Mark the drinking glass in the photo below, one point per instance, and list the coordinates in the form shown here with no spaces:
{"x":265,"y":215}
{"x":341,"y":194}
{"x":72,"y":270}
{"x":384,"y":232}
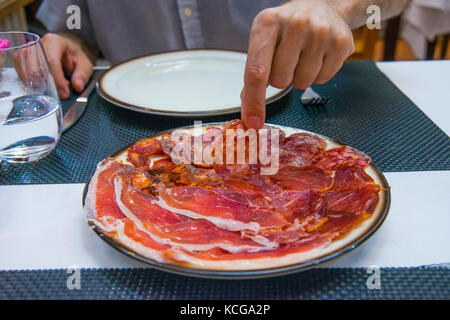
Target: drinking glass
{"x":30,"y":110}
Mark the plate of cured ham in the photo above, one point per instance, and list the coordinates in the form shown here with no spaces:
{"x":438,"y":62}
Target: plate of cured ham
{"x":225,"y":220}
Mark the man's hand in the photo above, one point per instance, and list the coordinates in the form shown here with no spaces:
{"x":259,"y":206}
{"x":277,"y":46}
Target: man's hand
{"x":67,"y":55}
{"x":300,"y":42}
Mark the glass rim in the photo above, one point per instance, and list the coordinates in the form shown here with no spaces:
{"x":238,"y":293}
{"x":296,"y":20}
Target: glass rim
{"x":36,"y":39}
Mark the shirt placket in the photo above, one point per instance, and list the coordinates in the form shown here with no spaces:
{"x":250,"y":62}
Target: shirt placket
{"x":190,"y":23}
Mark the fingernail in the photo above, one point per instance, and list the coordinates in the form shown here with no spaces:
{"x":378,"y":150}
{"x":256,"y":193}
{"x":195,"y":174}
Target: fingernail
{"x":254,"y":122}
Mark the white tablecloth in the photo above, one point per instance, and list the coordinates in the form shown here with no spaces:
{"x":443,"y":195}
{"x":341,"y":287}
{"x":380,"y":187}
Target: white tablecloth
{"x":43,"y":226}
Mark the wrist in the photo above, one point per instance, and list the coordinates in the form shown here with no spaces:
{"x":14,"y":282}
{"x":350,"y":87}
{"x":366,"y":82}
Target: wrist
{"x":345,"y":9}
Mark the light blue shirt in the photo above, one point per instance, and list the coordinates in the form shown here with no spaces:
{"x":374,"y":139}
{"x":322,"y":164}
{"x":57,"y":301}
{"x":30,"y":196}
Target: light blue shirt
{"x":123,"y":29}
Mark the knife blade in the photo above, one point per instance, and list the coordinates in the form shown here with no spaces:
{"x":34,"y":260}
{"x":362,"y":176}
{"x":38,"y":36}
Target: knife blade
{"x":77,"y":108}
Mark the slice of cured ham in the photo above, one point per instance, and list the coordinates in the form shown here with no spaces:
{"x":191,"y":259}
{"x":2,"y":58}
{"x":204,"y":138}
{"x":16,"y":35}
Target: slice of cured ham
{"x":333,"y":158}
{"x":363,"y":198}
{"x":300,"y":149}
{"x":289,"y":196}
{"x":140,"y":153}
{"x":100,"y":200}
{"x":304,"y":178}
{"x":353,"y":190}
{"x":170,"y":228}
{"x":251,"y":183}
{"x":227,"y":209}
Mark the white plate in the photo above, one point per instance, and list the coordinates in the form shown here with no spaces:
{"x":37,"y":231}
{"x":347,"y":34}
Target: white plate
{"x":180,"y":83}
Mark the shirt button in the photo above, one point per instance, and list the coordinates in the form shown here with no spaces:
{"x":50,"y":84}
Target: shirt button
{"x":187,"y":12}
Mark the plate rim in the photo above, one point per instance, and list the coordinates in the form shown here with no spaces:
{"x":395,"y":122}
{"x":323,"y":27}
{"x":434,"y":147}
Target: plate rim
{"x":123,"y":104}
{"x":245,"y":274}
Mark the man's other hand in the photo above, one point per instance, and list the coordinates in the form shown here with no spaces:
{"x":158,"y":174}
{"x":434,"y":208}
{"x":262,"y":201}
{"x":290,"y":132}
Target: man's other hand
{"x":67,"y":56}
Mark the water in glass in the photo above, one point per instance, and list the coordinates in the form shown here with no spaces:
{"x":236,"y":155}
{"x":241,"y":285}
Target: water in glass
{"x":30,"y":110}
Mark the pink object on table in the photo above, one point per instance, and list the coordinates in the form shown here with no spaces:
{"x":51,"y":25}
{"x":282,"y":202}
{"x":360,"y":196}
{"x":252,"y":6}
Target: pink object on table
{"x":4,"y":43}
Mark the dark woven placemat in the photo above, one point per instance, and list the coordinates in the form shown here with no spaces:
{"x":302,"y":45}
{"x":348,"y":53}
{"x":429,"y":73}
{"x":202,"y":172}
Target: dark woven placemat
{"x":366,"y":111}
{"x":343,"y":283}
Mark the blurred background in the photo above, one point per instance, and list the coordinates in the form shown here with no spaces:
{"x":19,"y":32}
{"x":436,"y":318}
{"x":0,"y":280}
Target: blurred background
{"x":420,"y":33}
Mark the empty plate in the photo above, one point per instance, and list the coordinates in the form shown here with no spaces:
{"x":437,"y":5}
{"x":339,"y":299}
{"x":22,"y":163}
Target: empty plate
{"x":180,"y":83}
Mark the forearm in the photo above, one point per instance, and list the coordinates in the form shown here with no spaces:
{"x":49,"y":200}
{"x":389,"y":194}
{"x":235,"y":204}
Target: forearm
{"x":354,"y":12}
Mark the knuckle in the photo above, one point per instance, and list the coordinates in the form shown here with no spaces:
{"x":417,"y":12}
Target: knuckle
{"x":320,"y":30}
{"x":344,"y":40}
{"x":49,"y":37}
{"x":298,"y":21}
{"x":46,"y":37}
{"x":267,"y":17}
{"x":279,"y":82}
{"x":256,"y":73}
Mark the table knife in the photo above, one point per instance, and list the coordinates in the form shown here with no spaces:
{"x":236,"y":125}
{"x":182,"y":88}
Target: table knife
{"x":77,"y":108}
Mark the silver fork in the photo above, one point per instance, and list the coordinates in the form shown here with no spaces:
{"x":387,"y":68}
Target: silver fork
{"x":312,"y":98}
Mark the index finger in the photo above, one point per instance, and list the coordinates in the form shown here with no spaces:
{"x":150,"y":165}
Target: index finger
{"x":262,"y":43}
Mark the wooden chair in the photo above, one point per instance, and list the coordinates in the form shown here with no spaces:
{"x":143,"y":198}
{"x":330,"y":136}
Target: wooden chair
{"x":365,"y":40}
{"x":12,"y":15}
{"x":390,"y":38}
{"x":432,"y":47}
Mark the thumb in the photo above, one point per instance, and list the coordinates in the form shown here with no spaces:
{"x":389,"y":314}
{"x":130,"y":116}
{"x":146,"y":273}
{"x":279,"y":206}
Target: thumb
{"x":81,"y":74}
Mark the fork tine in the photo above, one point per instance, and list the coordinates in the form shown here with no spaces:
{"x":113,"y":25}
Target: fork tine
{"x":313,"y":101}
{"x":320,"y":101}
{"x":311,"y":98}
